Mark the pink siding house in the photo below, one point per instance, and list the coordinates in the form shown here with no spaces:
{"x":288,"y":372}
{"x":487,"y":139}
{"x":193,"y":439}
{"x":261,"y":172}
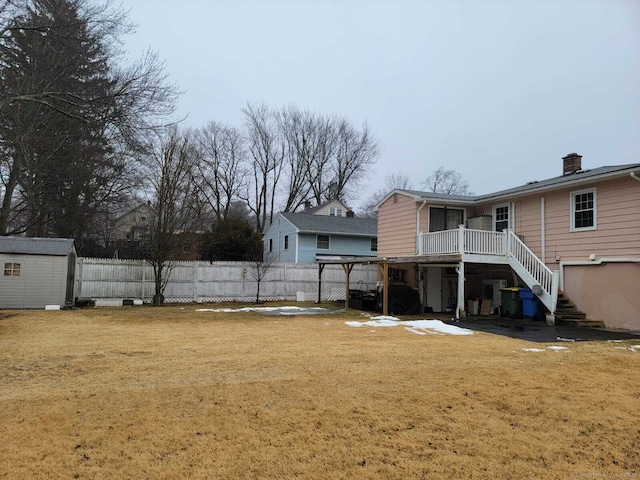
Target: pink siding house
{"x":574,"y":240}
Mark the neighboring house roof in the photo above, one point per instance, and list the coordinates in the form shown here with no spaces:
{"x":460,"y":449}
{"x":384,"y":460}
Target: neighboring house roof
{"x":575,"y":178}
{"x":323,"y":205}
{"x":36,"y":246}
{"x":354,"y":226}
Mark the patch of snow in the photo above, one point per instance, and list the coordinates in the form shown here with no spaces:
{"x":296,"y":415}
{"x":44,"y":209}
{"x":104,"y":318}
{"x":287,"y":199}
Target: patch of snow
{"x":286,"y":310}
{"x":635,"y":348}
{"x":557,"y":348}
{"x":533,"y":349}
{"x":420,"y":327}
{"x":561,"y":339}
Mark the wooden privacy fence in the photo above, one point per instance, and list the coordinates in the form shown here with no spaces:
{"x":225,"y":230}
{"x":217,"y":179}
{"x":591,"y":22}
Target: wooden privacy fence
{"x":107,"y":278}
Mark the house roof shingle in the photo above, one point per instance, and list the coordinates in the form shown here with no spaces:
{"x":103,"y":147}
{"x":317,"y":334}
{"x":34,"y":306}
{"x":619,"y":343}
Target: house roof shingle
{"x":308,"y":223}
{"x":36,"y":246}
{"x":578,"y":177}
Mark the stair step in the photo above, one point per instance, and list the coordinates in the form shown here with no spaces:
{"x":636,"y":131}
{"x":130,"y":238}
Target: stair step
{"x":576,"y":322}
{"x":570,"y":314}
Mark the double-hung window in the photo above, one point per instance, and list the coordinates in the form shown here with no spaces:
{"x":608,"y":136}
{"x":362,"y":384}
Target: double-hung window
{"x":584,"y":214}
{"x":501,"y":217}
{"x":322,"y":242}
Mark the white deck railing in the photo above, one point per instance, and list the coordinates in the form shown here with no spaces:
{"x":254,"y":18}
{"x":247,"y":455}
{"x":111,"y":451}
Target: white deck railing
{"x":504,"y":244}
{"x":462,"y":240}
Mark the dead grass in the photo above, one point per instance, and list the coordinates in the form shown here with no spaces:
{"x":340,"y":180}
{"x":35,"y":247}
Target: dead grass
{"x":173,"y":393}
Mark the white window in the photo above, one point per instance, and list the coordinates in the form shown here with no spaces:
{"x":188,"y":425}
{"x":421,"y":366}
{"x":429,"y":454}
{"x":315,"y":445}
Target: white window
{"x":501,"y":217}
{"x":322,"y":242}
{"x":584,"y":213}
{"x":374,"y":244}
{"x":335,"y":212}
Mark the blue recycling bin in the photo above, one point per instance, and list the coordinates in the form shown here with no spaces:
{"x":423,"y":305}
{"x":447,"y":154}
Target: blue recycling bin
{"x":530,"y":303}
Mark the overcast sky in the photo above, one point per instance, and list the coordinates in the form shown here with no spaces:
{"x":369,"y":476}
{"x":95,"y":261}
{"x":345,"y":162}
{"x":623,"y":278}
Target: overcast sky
{"x":497,"y":90}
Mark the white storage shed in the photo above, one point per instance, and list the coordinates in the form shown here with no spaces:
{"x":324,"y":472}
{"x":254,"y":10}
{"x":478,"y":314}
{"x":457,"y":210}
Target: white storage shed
{"x":36,"y":272}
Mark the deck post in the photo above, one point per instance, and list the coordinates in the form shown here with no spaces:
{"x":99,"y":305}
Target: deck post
{"x":461,"y":239}
{"x":385,"y":287}
{"x":320,"y":269}
{"x":347,"y":270}
{"x":460,"y":307}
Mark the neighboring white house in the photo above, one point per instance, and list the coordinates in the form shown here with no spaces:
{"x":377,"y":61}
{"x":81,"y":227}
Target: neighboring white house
{"x":36,"y":272}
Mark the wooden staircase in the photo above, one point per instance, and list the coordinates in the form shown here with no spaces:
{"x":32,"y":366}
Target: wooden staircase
{"x":567,"y":314}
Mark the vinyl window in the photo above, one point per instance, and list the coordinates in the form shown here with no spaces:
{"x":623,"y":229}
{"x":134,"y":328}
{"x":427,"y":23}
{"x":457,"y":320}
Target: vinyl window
{"x":584,"y":214}
{"x":322,"y":242}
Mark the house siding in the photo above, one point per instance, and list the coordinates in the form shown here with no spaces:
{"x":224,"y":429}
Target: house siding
{"x":618,"y":222}
{"x":606,"y":292}
{"x":338,"y":245}
{"x":334,"y":204}
{"x":276,"y":232}
{"x":397,"y":226}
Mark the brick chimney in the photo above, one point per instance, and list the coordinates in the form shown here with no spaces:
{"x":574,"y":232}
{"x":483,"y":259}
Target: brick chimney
{"x":307,"y":204}
{"x":350,"y":213}
{"x":571,"y":163}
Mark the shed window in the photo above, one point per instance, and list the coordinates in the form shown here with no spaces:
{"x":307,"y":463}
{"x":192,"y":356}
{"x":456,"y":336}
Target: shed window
{"x":11,"y":269}
{"x":286,"y":242}
{"x":322,"y":242}
{"x":374,"y":244}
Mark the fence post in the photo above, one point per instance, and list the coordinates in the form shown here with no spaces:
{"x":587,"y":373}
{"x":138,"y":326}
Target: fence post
{"x":80,"y":267}
{"x":142,"y":265}
{"x":195,"y":282}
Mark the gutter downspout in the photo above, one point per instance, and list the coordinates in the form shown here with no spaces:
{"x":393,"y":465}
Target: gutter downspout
{"x":543,"y":231}
{"x":634,"y":176}
{"x":600,"y":261}
{"x":424,"y":202}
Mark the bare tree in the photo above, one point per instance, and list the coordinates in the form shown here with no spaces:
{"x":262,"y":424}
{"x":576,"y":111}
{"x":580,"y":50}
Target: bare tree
{"x":260,"y":266}
{"x":267,"y":151}
{"x":392,"y":182}
{"x":222,"y":167}
{"x":326,"y":156}
{"x":170,"y":169}
{"x":356,"y":152}
{"x":448,"y":182}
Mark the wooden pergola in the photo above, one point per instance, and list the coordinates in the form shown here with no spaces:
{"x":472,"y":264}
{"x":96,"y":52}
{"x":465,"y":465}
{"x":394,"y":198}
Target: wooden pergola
{"x":383,"y":265}
{"x":347,"y":265}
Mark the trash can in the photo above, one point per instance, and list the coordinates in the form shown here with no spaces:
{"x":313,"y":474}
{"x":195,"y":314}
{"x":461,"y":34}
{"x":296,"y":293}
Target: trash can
{"x":511,"y":305}
{"x":530,"y":304}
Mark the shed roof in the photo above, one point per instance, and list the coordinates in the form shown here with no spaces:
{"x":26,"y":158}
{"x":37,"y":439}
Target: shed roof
{"x":308,"y":223}
{"x":36,"y":246}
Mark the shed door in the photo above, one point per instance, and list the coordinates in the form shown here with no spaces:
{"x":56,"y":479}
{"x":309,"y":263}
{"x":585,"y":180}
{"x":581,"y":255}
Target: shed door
{"x":71,"y":276}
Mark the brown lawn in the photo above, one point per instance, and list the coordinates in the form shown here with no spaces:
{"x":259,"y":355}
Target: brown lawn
{"x":172,"y":393}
